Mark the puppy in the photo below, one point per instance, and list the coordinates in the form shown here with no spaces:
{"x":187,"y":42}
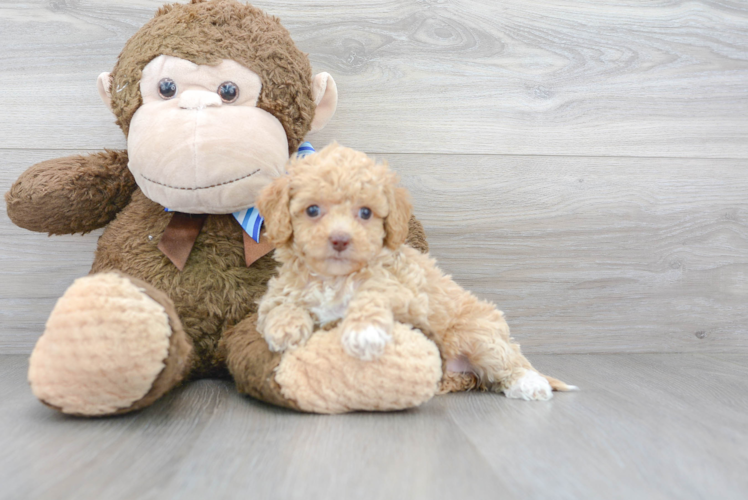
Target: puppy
{"x":339,"y":222}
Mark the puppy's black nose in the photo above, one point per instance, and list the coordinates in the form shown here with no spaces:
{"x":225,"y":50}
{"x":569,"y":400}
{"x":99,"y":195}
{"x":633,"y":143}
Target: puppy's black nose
{"x":339,"y":241}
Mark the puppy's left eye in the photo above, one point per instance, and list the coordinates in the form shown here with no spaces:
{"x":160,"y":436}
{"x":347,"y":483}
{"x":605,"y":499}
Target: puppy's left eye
{"x":364,"y":213}
{"x":312,"y":211}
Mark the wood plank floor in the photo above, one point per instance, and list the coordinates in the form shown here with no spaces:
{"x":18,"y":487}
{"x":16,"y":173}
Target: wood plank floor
{"x":644,"y":426}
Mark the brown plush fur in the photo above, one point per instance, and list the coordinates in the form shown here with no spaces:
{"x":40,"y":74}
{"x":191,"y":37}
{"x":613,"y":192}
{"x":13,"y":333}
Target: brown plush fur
{"x":252,"y":364}
{"x":231,"y":30}
{"x":417,"y":236}
{"x":56,"y":196}
{"x":214,"y":292}
{"x":215,"y":295}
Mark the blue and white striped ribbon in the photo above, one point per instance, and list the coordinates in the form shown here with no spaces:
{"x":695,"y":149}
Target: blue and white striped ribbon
{"x":250,"y":218}
{"x":305,"y":149}
{"x":251,"y":221}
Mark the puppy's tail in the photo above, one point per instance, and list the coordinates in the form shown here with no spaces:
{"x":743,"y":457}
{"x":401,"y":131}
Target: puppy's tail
{"x":557,"y":385}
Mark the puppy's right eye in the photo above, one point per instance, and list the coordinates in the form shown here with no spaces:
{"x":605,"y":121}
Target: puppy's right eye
{"x":364,"y":213}
{"x":312,"y":211}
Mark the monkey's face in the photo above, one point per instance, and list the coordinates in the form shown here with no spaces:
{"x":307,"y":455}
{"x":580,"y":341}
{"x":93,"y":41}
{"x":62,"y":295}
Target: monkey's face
{"x":199,"y":143}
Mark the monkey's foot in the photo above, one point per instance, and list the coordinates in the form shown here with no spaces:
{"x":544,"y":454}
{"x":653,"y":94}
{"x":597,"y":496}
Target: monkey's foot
{"x":112,"y":344}
{"x":321,"y":377}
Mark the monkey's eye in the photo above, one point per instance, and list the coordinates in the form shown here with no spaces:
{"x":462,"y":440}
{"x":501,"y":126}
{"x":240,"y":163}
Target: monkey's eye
{"x":228,"y":91}
{"x":312,"y":211}
{"x":364,"y":212}
{"x":167,"y":88}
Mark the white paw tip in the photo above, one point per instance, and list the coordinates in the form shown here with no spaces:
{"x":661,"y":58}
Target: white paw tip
{"x":530,"y":387}
{"x":366,"y":344}
{"x":273,"y":346}
{"x":572,"y":388}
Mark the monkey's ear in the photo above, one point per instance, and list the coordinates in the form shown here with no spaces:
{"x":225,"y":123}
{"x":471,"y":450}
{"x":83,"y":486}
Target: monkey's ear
{"x":273,"y":204}
{"x":104,"y":85}
{"x":396,"y":223}
{"x":325,"y":94}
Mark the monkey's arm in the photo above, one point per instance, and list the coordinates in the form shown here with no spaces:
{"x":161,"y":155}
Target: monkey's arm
{"x":75,"y":194}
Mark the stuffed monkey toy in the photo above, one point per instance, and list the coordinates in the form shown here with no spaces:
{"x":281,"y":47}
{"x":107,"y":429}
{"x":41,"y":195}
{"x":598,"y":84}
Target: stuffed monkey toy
{"x":213,"y":97}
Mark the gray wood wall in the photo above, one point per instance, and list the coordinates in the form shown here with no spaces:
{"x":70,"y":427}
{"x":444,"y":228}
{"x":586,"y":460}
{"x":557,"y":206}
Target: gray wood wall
{"x":583,"y":163}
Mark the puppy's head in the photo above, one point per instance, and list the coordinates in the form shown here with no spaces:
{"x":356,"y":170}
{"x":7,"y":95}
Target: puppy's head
{"x":335,"y":210}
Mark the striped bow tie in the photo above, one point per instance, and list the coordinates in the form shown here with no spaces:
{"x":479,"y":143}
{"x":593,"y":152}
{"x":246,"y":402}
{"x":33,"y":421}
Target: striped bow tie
{"x":251,"y":221}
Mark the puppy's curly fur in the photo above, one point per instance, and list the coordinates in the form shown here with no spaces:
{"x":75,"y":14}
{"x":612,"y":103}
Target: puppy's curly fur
{"x":339,"y":222}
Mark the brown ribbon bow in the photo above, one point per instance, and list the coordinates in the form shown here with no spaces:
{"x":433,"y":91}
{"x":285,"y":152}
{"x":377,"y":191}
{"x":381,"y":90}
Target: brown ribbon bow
{"x":182,"y":231}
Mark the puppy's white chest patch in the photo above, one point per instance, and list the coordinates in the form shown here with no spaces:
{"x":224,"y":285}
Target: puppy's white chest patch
{"x":327,"y":313}
{"x":329,"y":301}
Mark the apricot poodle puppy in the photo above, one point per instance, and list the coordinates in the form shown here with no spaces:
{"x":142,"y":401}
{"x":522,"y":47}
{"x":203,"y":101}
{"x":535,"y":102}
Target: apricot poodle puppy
{"x":339,"y":222}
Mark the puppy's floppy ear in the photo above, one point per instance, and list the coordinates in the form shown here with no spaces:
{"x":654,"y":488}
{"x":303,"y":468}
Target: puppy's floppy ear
{"x":396,"y":222}
{"x":273,"y":204}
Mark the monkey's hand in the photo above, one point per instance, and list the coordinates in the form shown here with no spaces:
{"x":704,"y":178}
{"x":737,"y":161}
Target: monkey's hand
{"x":75,"y":194}
{"x":285,"y":327}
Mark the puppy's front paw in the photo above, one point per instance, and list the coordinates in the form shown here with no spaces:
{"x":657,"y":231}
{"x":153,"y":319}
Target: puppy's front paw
{"x":531,"y":387}
{"x":288,"y":331}
{"x":365,"y":343}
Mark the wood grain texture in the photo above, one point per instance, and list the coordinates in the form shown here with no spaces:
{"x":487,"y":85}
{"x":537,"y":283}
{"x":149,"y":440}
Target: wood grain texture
{"x":594,"y":254}
{"x":665,"y":78}
{"x":583,"y":254}
{"x":481,"y":106}
{"x":35,"y":269}
{"x":643,"y":426}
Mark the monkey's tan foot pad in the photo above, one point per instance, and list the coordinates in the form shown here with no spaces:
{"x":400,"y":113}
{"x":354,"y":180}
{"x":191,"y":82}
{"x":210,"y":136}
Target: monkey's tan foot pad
{"x":321,"y":377}
{"x":104,"y":345}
